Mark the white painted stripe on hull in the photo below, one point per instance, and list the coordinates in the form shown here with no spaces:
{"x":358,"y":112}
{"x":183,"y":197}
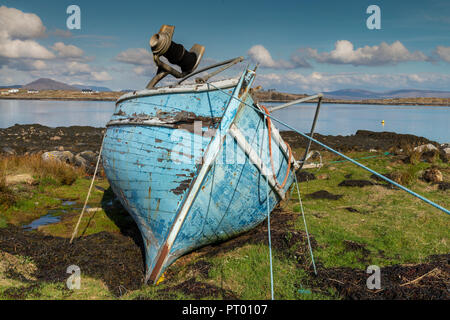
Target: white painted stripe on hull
{"x":254,"y":158}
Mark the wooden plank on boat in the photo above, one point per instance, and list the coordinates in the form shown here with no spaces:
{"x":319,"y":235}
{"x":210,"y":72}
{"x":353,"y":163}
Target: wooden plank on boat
{"x":254,"y":158}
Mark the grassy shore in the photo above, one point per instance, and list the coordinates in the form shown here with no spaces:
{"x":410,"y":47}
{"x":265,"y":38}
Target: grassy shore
{"x":373,"y":224}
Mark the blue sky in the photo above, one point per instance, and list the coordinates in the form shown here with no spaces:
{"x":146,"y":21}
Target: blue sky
{"x":302,"y":46}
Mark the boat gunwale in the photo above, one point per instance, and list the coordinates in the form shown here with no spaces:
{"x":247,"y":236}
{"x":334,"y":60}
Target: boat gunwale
{"x":192,"y":87}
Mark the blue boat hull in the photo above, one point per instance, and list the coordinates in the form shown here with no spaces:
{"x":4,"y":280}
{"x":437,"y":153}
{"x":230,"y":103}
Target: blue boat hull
{"x":182,"y":162}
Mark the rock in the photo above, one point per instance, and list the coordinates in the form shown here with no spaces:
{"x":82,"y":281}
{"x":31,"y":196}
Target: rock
{"x":60,"y":148}
{"x":55,"y":138}
{"x":372,"y":150}
{"x":86,"y":160}
{"x":447,"y":151}
{"x":62,"y":156}
{"x":323,"y":194}
{"x":19,"y":178}
{"x":444,"y":186}
{"x":303,"y":176}
{"x":425,"y":147}
{"x":79,"y":161}
{"x":432,"y":175}
{"x":355,"y":183}
{"x":89,"y":156}
{"x":9,"y":151}
{"x":323,"y":176}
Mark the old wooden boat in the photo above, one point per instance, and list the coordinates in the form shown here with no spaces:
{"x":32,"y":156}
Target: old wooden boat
{"x":192,"y":163}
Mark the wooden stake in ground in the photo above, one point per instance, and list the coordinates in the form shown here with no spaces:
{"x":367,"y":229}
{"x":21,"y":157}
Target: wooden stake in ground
{"x":75,"y":231}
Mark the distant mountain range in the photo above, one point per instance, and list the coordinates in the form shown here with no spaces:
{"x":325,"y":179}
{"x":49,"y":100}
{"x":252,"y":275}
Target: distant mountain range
{"x":49,"y":84}
{"x":356,"y":94}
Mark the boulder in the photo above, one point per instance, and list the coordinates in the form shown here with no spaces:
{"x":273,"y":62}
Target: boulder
{"x":9,"y":151}
{"x":303,"y":176}
{"x":62,"y":156}
{"x":18,"y":179}
{"x":425,"y":147}
{"x":86,"y":160}
{"x":433,"y":175}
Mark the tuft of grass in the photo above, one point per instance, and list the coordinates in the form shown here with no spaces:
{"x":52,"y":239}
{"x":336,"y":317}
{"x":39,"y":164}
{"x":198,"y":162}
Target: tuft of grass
{"x":60,"y":172}
{"x":7,"y":197}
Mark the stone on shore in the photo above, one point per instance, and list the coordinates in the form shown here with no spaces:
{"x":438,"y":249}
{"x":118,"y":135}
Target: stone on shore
{"x":9,"y":151}
{"x":432,"y":175}
{"x":426,"y":147}
{"x":18,"y":179}
{"x":62,"y":156}
{"x":86,"y":160}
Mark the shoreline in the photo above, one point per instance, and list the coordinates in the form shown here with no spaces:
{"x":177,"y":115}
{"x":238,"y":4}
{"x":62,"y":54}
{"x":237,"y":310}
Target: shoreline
{"x":113,"y":96}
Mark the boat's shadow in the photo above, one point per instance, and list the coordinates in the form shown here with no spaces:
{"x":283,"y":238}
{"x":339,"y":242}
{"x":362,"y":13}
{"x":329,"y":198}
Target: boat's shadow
{"x":121,"y":218}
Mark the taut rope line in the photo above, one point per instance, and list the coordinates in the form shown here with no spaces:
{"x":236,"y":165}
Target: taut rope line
{"x":75,"y":231}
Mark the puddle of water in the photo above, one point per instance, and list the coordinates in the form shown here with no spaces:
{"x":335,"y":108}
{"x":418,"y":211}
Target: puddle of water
{"x":42,"y":221}
{"x":53,"y":215}
{"x":68,"y":203}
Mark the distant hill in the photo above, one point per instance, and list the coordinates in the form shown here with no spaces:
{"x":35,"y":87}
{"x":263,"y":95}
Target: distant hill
{"x":356,"y":94}
{"x":94,"y":88}
{"x":49,"y":84}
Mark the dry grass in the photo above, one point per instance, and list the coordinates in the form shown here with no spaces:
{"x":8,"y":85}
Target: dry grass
{"x":60,"y":172}
{"x":7,"y":197}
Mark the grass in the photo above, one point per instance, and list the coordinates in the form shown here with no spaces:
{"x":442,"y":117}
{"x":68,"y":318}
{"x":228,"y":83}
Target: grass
{"x":390,"y":227}
{"x":395,"y":227}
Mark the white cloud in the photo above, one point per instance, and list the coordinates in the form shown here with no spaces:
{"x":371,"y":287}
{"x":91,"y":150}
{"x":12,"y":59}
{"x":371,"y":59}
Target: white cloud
{"x":15,"y":49}
{"x":443,"y":53}
{"x":67,"y":51}
{"x":17,"y":29}
{"x":261,"y":55}
{"x":74,"y":68}
{"x":135,"y":56}
{"x":101,"y":76}
{"x":21,"y":25}
{"x":382,"y":54}
{"x":318,"y":81}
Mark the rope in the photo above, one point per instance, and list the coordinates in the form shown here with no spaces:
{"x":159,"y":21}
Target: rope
{"x":269,"y":127}
{"x":268,"y":229}
{"x":75,"y":231}
{"x":306,"y":227}
{"x":368,"y":157}
{"x":342,"y":155}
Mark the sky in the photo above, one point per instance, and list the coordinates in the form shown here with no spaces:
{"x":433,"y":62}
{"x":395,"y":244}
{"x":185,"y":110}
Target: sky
{"x":301,"y":46}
